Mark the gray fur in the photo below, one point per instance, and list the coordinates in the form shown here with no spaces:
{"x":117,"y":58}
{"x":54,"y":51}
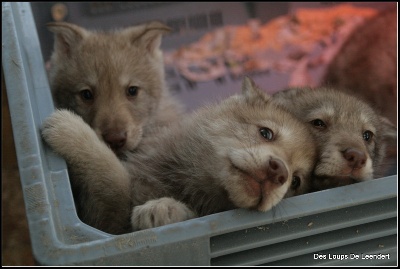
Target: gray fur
{"x":106,"y":64}
{"x":213,"y":160}
{"x":347,"y":118}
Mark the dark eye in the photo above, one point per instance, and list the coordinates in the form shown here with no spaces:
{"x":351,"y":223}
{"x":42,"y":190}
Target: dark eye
{"x":86,"y":95}
{"x":267,"y":133}
{"x":132,"y":91}
{"x":295,"y":182}
{"x":318,"y":123}
{"x":367,"y":135}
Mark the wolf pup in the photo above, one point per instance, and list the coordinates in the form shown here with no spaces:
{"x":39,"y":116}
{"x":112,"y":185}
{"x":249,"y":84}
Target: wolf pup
{"x":350,"y":136}
{"x":244,"y":152}
{"x":366,"y":66}
{"x":113,"y":80}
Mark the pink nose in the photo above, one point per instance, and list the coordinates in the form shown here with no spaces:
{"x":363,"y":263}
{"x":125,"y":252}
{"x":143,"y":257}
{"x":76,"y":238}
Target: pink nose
{"x":355,"y":158}
{"x":115,"y":140}
{"x":276,"y":171}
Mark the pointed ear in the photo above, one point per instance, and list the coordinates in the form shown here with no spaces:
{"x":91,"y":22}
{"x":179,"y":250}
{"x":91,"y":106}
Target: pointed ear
{"x":148,"y":35}
{"x":251,"y":91}
{"x":67,"y":35}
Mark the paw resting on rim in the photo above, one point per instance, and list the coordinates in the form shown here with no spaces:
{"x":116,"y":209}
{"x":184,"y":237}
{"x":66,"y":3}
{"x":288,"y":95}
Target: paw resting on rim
{"x":65,"y":131}
{"x":159,"y":212}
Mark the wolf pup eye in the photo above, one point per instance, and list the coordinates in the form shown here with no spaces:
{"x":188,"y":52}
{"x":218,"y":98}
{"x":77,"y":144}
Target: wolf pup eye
{"x":367,"y":135}
{"x":267,"y":133}
{"x":295,"y":182}
{"x":318,"y":123}
{"x":132,"y":91}
{"x":86,"y":95}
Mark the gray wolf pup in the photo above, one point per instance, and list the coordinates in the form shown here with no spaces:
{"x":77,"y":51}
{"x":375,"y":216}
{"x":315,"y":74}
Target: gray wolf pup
{"x":244,"y":152}
{"x":113,"y":80}
{"x":350,"y":136}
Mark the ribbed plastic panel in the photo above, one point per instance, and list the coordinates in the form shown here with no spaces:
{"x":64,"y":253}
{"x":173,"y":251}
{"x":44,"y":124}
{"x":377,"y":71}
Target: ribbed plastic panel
{"x":337,"y":234}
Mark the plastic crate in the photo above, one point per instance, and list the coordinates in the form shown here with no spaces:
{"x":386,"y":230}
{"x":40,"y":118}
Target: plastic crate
{"x":354,"y":220}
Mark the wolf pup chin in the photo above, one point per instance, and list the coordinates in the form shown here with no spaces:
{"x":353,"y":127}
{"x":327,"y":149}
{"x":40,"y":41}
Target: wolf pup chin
{"x":350,"y":136}
{"x":244,"y":152}
{"x":113,"y":80}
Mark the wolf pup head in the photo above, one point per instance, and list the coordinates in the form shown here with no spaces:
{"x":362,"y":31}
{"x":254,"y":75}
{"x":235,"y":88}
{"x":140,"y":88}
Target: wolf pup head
{"x":113,"y":80}
{"x":350,"y":136}
{"x":262,"y":152}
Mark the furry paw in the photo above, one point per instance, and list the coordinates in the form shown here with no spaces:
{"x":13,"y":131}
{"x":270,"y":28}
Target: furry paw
{"x":67,"y":134}
{"x":159,"y":212}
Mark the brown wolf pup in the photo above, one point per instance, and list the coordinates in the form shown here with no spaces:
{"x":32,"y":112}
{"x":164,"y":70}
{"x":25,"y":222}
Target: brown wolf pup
{"x":244,"y":152}
{"x":350,"y":136}
{"x":366,"y":66}
{"x":115,"y":82}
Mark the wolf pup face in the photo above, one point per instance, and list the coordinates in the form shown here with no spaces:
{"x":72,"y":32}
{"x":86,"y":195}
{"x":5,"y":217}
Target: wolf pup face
{"x":114,"y":80}
{"x":273,"y":155}
{"x":267,"y":153}
{"x":242,"y":152}
{"x":349,"y":135}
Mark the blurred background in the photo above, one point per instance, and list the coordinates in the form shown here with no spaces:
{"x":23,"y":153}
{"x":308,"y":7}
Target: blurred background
{"x":212,"y":44}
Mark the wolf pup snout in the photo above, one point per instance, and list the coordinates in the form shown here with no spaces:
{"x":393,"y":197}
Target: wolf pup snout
{"x":356,"y":159}
{"x":116,"y":140}
{"x":277,"y":172}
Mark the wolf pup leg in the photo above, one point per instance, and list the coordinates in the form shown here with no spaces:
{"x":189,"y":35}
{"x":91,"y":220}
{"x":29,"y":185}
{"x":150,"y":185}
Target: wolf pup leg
{"x":104,"y":184}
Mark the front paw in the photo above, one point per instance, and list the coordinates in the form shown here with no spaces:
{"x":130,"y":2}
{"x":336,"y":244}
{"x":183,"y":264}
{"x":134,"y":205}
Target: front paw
{"x":159,"y":212}
{"x":66,"y":133}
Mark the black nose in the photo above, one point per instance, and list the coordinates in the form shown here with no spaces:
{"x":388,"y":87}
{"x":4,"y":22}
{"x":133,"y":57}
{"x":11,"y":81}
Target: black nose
{"x":355,"y":158}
